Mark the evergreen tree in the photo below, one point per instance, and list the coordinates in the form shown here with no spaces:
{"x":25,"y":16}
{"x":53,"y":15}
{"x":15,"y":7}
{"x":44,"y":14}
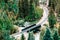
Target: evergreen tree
{"x":31,"y":37}
{"x":51,"y":19}
{"x":36,"y":2}
{"x":6,"y":1}
{"x":23,"y":8}
{"x":5,"y":26}
{"x":13,"y":6}
{"x":32,"y":11}
{"x":47,"y":35}
{"x":22,"y":37}
{"x":31,"y":16}
{"x":57,"y":8}
{"x":52,"y":3}
{"x":5,"y":21}
{"x":59,"y":30}
{"x":55,"y":36}
{"x":2,"y":4}
{"x":26,"y":8}
{"x":6,"y":35}
{"x":20,"y":8}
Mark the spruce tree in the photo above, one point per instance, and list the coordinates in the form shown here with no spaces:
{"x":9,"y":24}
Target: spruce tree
{"x":55,"y":36}
{"x":36,"y":2}
{"x":2,"y":4}
{"x":52,"y":3}
{"x":14,"y":6}
{"x":22,"y":37}
{"x":31,"y":37}
{"x":19,"y":5}
{"x":23,"y":8}
{"x":47,"y":35}
{"x":59,"y":30}
{"x":51,"y":19}
{"x":6,"y":35}
{"x":32,"y":7}
{"x":5,"y":26}
{"x":26,"y":8}
{"x":31,"y":15}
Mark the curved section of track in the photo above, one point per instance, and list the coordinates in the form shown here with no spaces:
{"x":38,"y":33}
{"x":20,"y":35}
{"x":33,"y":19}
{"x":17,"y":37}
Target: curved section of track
{"x":45,"y":16}
{"x":41,"y":22}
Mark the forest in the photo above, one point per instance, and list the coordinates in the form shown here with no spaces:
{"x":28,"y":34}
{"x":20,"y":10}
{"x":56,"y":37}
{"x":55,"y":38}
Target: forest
{"x":18,"y":12}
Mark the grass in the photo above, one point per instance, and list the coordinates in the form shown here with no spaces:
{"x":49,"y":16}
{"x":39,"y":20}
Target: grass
{"x":39,"y":11}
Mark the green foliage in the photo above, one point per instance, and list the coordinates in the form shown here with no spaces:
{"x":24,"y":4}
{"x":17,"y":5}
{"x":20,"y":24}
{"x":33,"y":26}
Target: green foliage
{"x":31,"y":37}
{"x":55,"y":36}
{"x":42,"y":33}
{"x":2,"y":4}
{"x":5,"y":26}
{"x":32,"y":10}
{"x":59,"y":30}
{"x":15,"y":8}
{"x":59,"y":37}
{"x":34,"y":14}
{"x":39,"y":13}
{"x":27,"y":10}
{"x":57,"y":8}
{"x":51,"y":19}
{"x":22,"y":37}
{"x":47,"y":35}
{"x":52,"y":3}
{"x":5,"y":21}
{"x":6,"y":36}
{"x":36,"y":2}
{"x":12,"y":6}
{"x":23,"y":8}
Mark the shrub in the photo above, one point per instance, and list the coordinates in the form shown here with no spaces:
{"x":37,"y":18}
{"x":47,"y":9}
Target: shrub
{"x":55,"y":36}
{"x":31,"y":37}
{"x":47,"y":35}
